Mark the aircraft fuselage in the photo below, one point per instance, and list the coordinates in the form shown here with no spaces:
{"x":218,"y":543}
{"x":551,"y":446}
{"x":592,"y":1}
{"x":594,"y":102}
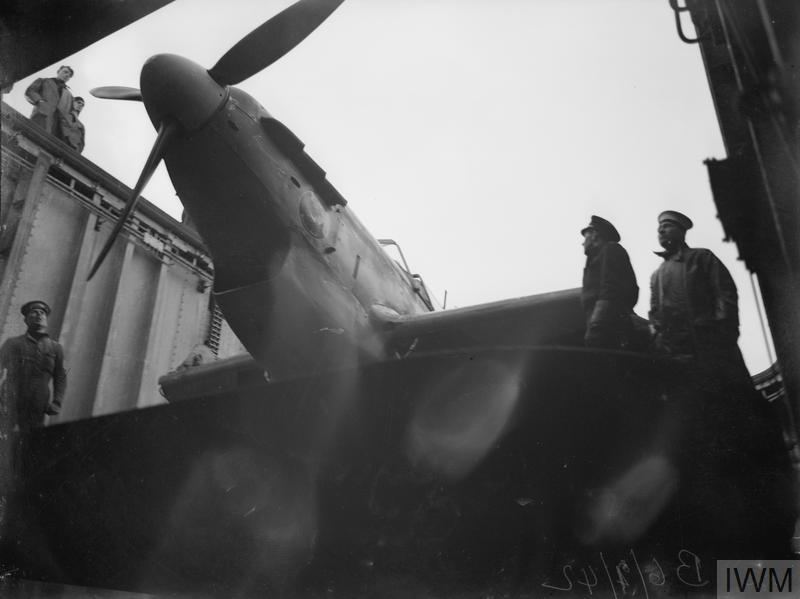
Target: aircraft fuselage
{"x":297,"y":275}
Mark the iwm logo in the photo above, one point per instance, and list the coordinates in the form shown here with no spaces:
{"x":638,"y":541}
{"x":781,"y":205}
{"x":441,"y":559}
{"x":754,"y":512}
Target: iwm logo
{"x":739,"y":579}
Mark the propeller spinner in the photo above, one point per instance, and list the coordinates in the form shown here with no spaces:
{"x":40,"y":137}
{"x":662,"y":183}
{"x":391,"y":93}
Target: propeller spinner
{"x":179,"y":95}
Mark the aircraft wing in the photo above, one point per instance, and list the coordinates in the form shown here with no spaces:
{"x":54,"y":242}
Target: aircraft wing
{"x":545,"y":320}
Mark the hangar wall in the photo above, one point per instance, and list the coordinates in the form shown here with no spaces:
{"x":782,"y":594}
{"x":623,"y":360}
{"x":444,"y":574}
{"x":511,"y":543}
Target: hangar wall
{"x":145,"y":309}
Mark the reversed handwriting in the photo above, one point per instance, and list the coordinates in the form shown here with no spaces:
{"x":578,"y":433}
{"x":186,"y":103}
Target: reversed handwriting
{"x":628,"y":577}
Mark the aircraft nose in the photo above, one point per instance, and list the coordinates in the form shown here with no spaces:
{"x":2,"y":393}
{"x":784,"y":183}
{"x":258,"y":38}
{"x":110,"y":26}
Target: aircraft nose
{"x":173,"y":86}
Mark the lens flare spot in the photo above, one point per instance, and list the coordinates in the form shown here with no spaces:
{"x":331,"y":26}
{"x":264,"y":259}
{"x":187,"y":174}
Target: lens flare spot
{"x":461,"y":417}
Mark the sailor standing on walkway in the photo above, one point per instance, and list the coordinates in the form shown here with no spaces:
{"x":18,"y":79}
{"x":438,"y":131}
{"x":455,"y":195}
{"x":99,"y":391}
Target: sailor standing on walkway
{"x":51,"y":99}
{"x":71,"y":129}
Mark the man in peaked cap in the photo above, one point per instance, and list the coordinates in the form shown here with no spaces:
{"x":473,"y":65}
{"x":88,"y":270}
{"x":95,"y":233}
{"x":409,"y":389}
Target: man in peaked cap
{"x":716,"y":417}
{"x":693,"y":304}
{"x":29,"y":365}
{"x":609,"y":287}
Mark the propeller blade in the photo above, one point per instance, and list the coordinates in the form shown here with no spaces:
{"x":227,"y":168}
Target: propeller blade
{"x":268,"y":42}
{"x":166,"y":133}
{"x":117,"y":92}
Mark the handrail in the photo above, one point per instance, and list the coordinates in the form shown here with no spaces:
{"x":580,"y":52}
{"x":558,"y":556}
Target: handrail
{"x":678,"y":25}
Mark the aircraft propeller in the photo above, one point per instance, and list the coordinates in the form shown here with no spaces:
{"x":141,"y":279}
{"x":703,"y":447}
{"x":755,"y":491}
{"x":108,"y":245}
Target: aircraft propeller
{"x":117,"y":92}
{"x":166,"y":132}
{"x":271,"y":40}
{"x":253,"y":53}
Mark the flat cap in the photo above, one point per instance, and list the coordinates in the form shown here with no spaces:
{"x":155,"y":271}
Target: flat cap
{"x":602,"y":226}
{"x":28,"y":306}
{"x":679,"y":219}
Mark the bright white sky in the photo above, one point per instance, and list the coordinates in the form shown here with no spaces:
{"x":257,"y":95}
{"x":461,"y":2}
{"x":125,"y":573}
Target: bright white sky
{"x":479,"y":134}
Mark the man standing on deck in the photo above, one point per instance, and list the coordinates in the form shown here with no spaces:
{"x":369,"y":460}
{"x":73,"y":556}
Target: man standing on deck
{"x":722,"y":436}
{"x":29,"y":365}
{"x":609,"y":287}
{"x":694,"y":306}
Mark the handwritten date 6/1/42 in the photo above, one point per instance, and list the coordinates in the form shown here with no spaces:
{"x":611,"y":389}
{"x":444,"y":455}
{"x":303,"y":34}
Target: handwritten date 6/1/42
{"x":629,"y":576}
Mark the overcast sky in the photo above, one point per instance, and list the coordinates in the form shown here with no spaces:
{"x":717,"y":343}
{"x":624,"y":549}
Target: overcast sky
{"x":479,"y":134}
